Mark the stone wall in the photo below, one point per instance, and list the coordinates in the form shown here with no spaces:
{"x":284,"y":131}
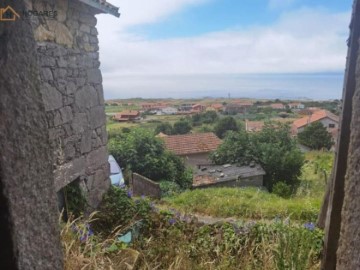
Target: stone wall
{"x":141,"y":185}
{"x":29,"y":231}
{"x":71,"y":85}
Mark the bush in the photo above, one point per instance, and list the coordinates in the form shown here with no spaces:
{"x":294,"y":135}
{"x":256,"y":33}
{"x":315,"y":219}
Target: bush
{"x":118,"y":209}
{"x":141,"y":152}
{"x":281,"y":189}
{"x":182,"y":127}
{"x":224,"y":125}
{"x":272,"y":148}
{"x":316,"y":137}
{"x":169,"y":189}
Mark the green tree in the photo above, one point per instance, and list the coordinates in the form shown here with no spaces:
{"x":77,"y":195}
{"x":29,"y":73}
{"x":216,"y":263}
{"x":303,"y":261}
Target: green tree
{"x":141,"y":152}
{"x":165,"y":128}
{"x":272,"y":148}
{"x":315,"y":136}
{"x":182,"y":127}
{"x":224,"y":125}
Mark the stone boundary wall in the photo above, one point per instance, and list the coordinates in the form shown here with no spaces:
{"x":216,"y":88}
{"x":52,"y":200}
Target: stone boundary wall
{"x":141,"y":185}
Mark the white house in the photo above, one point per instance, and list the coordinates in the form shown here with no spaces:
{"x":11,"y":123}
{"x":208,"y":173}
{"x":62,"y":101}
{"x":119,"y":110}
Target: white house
{"x":169,"y":110}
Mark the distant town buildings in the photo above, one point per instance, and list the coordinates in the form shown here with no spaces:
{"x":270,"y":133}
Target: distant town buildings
{"x":296,"y":105}
{"x":278,"y":106}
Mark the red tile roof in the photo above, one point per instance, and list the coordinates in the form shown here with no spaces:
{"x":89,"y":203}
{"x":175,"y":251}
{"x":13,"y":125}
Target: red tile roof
{"x":316,"y":116}
{"x":192,"y":143}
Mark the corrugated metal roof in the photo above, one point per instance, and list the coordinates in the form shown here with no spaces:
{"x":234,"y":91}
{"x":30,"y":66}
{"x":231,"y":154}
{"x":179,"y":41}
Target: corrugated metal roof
{"x":222,"y":173}
{"x":102,"y":5}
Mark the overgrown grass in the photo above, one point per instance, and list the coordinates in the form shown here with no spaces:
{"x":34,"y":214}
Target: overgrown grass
{"x":252,"y":203}
{"x":248,"y":203}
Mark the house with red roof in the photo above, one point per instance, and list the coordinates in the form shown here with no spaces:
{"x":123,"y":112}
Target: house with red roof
{"x":328,"y":119}
{"x":194,"y":148}
{"x":126,"y":116}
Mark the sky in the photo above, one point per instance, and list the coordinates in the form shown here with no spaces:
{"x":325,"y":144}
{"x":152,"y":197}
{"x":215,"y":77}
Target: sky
{"x":245,"y":48}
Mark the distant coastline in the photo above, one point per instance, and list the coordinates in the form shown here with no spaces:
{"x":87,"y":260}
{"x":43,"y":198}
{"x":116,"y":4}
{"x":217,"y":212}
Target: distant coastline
{"x":315,"y":86}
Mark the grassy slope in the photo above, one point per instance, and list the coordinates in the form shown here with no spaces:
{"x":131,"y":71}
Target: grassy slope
{"x":256,"y":204}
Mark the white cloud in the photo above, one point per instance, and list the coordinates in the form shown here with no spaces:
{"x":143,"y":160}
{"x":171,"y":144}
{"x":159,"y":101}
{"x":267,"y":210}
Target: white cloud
{"x":306,"y":40}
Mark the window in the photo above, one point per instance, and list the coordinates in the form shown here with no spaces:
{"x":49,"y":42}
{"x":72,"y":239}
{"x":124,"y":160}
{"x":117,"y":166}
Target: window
{"x":331,"y":125}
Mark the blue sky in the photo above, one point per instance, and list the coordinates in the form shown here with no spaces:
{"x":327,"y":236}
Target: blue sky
{"x":185,"y":47}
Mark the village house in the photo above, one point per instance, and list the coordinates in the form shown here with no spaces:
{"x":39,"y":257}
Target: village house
{"x":127,"y":116}
{"x":193,"y":148}
{"x":238,"y":107}
{"x":228,"y":176}
{"x":254,"y":126}
{"x":153,"y":106}
{"x":328,"y":119}
{"x":186,"y":107}
{"x":278,"y":106}
{"x":198,"y":108}
{"x":296,"y":105}
{"x":216,"y":107}
{"x":169,"y":110}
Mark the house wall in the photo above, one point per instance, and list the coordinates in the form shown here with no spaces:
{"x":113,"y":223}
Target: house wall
{"x":196,"y":159}
{"x":254,"y":181}
{"x":325,"y":122}
{"x":71,"y":86}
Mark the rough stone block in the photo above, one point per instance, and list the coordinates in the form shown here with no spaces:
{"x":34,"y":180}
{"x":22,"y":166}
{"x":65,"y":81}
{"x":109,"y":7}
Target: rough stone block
{"x":94,"y":75}
{"x":46,"y":74}
{"x":85,"y":28}
{"x":85,"y":145}
{"x":52,"y":98}
{"x":86,"y":97}
{"x":97,"y":117}
{"x":42,"y":34}
{"x":68,"y":172}
{"x":62,"y":8}
{"x":96,"y":159}
{"x":80,"y":123}
{"x":63,"y":116}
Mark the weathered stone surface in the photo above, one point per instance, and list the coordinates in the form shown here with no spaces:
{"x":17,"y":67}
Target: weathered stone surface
{"x":95,"y":159}
{"x":62,"y":116}
{"x":52,"y":98}
{"x":85,"y":146}
{"x":63,"y":35}
{"x":86,"y":97}
{"x":62,"y":8}
{"x":75,"y":106}
{"x":42,"y":34}
{"x":94,"y":75}
{"x":97,"y":117}
{"x":46,"y":74}
{"x":69,"y":172}
{"x":29,"y":232}
{"x":85,"y":28}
